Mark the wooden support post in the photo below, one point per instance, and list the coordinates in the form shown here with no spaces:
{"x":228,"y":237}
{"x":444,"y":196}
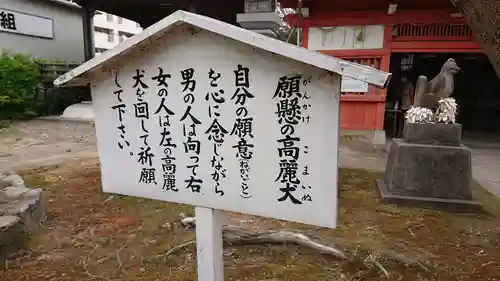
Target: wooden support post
{"x":209,"y":244}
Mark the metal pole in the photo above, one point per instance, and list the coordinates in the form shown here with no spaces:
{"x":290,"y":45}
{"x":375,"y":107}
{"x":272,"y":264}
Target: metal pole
{"x":88,"y":33}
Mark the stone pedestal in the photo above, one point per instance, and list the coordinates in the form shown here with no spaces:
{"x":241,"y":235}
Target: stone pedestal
{"x":435,"y":134}
{"x":429,"y":168}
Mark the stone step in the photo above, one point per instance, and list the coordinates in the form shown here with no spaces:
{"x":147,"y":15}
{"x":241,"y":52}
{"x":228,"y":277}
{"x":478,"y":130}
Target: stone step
{"x":21,"y":211}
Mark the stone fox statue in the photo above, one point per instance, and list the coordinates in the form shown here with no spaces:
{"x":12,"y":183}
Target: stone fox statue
{"x":427,"y":94}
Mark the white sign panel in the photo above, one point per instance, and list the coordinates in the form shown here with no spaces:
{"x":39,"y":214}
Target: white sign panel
{"x":213,"y":123}
{"x":350,"y":85}
{"x":346,"y":37}
{"x":20,"y":23}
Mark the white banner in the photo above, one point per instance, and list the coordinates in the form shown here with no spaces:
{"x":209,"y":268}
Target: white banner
{"x":350,"y":85}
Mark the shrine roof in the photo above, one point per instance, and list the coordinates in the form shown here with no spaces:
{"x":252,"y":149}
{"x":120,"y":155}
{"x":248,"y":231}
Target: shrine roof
{"x":66,"y":3}
{"x":359,"y":72}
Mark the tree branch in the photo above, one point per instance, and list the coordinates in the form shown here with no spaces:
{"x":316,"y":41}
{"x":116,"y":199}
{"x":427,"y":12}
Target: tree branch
{"x":237,"y":236}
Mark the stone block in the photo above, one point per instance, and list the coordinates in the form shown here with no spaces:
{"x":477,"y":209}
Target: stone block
{"x":434,"y":134}
{"x":28,"y":206}
{"x":13,"y":192}
{"x":11,"y":228}
{"x":435,"y":175}
{"x":429,"y":170}
{"x":449,"y":205}
{"x":12,"y":236}
{"x":6,"y":223}
{"x":15,"y":180}
{"x":21,"y":211}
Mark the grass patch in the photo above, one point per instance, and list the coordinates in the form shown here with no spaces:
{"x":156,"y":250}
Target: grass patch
{"x":92,"y":236}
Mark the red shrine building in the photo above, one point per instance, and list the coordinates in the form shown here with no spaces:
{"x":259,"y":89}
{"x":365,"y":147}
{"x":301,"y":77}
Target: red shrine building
{"x":407,"y":38}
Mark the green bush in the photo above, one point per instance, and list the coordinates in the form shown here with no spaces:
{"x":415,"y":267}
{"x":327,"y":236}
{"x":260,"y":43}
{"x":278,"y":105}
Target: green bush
{"x":19,"y":78}
{"x":25,"y":94}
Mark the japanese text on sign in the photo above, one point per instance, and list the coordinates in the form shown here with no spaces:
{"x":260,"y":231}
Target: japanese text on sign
{"x":218,"y":136}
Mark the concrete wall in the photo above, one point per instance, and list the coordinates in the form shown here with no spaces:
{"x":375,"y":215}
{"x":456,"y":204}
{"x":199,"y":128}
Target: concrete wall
{"x":68,"y":42}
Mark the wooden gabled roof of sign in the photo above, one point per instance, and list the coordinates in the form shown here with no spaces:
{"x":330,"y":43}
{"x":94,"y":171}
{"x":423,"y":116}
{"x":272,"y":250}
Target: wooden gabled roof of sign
{"x":76,"y":77}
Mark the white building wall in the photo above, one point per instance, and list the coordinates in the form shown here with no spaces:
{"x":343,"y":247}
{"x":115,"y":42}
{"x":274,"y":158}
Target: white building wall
{"x":67,"y":43}
{"x":110,"y":30}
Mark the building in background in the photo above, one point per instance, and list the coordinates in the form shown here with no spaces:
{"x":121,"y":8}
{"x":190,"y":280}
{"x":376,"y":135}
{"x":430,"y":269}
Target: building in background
{"x":407,"y":38}
{"x":110,"y":30}
{"x":52,"y":30}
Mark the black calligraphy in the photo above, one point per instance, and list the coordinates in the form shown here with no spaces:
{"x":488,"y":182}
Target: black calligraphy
{"x":191,"y":143}
{"x":120,"y":109}
{"x":216,"y":132}
{"x":242,"y":128}
{"x":145,"y":154}
{"x":289,"y":113}
{"x":168,"y":166}
{"x":7,"y":21}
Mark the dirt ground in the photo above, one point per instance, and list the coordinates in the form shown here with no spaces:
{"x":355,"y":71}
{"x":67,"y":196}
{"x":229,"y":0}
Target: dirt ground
{"x":42,"y":142}
{"x":39,"y":142}
{"x":92,"y":236}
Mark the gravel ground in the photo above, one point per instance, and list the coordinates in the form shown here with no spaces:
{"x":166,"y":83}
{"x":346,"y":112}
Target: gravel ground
{"x":40,"y":142}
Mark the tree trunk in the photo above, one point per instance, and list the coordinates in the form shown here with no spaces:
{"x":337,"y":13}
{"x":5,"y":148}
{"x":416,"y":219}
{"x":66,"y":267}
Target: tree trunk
{"x":484,"y":20}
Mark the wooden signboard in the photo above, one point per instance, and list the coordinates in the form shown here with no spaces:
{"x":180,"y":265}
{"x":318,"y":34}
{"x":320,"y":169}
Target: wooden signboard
{"x":200,"y":112}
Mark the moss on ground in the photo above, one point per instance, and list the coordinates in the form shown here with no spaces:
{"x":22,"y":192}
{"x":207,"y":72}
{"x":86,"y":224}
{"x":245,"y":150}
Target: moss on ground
{"x":92,"y":236}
